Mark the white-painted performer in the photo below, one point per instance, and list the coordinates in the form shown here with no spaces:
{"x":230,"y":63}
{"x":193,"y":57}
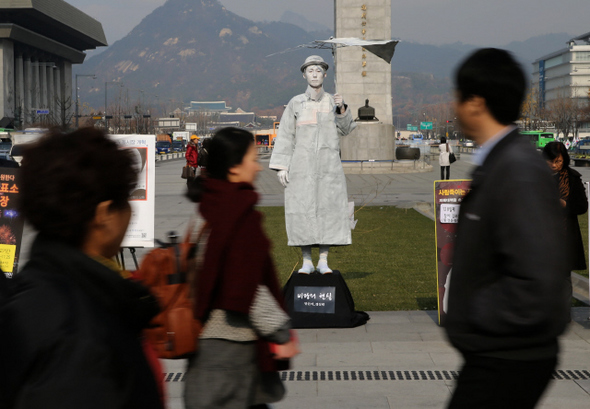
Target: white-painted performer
{"x":307,"y":157}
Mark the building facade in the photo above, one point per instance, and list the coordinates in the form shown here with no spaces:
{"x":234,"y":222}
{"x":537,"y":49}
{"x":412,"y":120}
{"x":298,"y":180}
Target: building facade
{"x":39,"y":43}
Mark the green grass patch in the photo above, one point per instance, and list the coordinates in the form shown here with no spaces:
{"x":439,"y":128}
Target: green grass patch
{"x":583,"y":220}
{"x":391,"y":264}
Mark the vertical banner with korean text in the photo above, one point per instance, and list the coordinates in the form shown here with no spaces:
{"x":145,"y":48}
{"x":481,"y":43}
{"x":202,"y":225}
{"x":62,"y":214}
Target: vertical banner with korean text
{"x":11,"y":224}
{"x":140,"y":232}
{"x":448,"y":195}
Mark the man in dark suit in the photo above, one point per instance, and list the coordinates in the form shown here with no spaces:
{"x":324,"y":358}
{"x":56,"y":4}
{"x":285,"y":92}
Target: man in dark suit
{"x":507,"y":299}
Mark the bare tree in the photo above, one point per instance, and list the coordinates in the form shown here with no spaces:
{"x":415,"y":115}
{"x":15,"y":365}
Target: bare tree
{"x":565,"y":112}
{"x":532,"y":113}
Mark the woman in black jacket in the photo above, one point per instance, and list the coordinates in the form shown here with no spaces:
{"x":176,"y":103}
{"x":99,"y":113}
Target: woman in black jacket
{"x":71,"y":326}
{"x":572,"y":197}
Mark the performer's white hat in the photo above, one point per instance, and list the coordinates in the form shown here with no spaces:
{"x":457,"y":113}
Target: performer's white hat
{"x":314,"y":60}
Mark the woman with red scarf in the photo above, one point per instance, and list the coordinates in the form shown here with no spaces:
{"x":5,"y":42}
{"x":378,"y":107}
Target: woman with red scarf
{"x":238,"y":296}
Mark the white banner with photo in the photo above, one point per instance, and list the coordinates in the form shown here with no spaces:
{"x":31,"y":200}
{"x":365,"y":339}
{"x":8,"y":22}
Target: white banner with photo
{"x":140,"y":232}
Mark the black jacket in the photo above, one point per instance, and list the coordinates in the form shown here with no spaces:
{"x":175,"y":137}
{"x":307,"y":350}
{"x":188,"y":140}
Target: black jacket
{"x":508,"y":296}
{"x":576,"y":204}
{"x":71,"y":335}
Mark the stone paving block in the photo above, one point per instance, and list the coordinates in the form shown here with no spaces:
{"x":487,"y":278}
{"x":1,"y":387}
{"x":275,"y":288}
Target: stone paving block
{"x":389,"y":317}
{"x":423,"y":346}
{"x":410,"y":327}
{"x":342,"y":347}
{"x":585,"y":384}
{"x":415,"y":395}
{"x":447,"y":360}
{"x":334,"y":402}
{"x":301,"y":389}
{"x":564,"y":394}
{"x":398,"y":360}
{"x":304,"y":360}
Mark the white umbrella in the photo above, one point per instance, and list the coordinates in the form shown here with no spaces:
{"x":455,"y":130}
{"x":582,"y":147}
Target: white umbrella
{"x":383,"y":49}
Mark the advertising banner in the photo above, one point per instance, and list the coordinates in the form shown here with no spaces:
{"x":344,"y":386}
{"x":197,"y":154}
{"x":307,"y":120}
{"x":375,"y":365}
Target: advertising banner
{"x":140,"y":232}
{"x":11,"y":224}
{"x":448,"y":195}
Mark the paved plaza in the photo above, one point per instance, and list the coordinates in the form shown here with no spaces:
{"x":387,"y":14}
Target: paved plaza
{"x":399,"y":359}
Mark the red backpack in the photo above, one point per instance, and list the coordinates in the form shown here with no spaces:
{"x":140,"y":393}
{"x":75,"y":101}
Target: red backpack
{"x":169,"y":271}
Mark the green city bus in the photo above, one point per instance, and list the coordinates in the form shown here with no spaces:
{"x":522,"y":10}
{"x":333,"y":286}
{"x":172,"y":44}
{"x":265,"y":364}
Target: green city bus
{"x":539,"y":138}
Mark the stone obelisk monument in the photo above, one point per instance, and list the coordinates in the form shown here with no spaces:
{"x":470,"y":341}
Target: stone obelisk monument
{"x":360,"y":75}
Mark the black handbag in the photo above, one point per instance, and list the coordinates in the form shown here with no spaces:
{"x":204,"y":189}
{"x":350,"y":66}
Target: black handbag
{"x":452,"y":158}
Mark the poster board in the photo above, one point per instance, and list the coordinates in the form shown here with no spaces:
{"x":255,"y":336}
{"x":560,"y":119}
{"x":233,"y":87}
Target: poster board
{"x":141,"y":232}
{"x":448,"y":195}
{"x":11,"y":223}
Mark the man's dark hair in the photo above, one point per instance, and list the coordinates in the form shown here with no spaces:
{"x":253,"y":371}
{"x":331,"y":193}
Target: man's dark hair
{"x":554,"y":149}
{"x":64,"y":176}
{"x":495,"y":76}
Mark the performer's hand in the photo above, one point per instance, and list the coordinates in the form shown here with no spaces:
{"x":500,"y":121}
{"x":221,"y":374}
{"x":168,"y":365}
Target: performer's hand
{"x":338,"y":100}
{"x":283,"y":176}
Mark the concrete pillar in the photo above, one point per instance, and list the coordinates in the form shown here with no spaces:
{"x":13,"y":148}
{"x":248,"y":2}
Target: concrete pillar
{"x":36,"y":100}
{"x":361,"y":75}
{"x":28,"y":93}
{"x":7,"y":99}
{"x":19,"y":89}
{"x":43,"y":85}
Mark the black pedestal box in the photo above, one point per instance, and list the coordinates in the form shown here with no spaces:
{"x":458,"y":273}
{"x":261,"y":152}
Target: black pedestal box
{"x":321,"y":301}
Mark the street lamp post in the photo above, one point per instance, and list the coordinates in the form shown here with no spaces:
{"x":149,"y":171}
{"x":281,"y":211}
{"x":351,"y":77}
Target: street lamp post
{"x":77,"y":102}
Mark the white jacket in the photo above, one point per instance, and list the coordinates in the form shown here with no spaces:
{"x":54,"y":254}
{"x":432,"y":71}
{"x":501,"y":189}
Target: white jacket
{"x":443,"y":159}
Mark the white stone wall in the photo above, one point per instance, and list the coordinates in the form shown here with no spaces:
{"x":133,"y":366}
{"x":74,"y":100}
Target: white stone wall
{"x":361,"y":75}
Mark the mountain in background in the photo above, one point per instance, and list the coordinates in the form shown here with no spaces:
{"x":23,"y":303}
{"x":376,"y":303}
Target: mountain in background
{"x":301,"y":21}
{"x":197,"y":50}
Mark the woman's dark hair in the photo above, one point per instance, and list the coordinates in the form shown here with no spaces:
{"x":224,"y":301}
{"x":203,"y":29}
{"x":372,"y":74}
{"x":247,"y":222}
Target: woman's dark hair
{"x":64,"y":176}
{"x":226,"y":149}
{"x":443,"y":139}
{"x":554,"y":149}
{"x":495,"y":76}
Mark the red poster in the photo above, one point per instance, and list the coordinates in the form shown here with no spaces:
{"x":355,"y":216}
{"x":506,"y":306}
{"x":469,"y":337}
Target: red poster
{"x":448,"y":195}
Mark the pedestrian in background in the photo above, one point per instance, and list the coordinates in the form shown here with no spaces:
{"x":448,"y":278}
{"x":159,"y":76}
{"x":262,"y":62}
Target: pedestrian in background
{"x":71,"y":329}
{"x":443,"y":158}
{"x":204,"y":153}
{"x":507,"y":299}
{"x":573,"y":200}
{"x":192,"y":154}
{"x":238,"y":295}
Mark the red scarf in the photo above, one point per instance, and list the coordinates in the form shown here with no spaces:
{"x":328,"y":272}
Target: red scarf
{"x":237,"y":258}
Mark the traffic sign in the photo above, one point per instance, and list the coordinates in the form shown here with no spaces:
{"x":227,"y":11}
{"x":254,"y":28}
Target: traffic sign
{"x":426,"y":125}
{"x":97,"y":117}
{"x":42,"y":112}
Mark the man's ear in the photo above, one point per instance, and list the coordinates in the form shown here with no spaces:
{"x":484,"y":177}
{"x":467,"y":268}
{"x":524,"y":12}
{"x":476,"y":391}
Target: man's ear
{"x":102,"y":213}
{"x":477,"y":104}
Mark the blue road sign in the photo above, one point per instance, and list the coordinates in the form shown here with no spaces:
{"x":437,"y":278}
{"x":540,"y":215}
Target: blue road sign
{"x":42,"y":111}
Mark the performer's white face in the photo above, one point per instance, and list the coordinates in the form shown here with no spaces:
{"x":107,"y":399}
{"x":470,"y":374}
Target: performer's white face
{"x":314,"y":74}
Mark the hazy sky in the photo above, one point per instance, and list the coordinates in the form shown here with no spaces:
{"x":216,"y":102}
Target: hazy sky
{"x":479,"y":22}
